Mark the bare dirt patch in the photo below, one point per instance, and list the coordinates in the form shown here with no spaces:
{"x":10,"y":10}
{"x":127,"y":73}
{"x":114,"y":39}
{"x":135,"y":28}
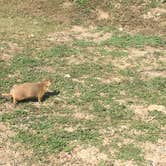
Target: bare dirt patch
{"x":155,"y":13}
{"x":102,"y":15}
{"x":82,"y":115}
{"x":90,"y":155}
{"x":8,"y":132}
{"x":67,"y":5}
{"x":70,"y":129}
{"x":111,"y":79}
{"x":79,"y":33}
{"x":157,"y":108}
{"x":107,"y":133}
{"x":14,"y":48}
{"x":5,"y":57}
{"x":133,"y":52}
{"x":79,"y":156}
{"x":124,"y":163}
{"x":59,"y":37}
{"x":153,"y":74}
{"x":75,"y":60}
{"x":7,"y":106}
{"x":150,"y":61}
{"x":155,"y":153}
{"x":49,"y":69}
{"x":140,"y":111}
{"x":89,"y":33}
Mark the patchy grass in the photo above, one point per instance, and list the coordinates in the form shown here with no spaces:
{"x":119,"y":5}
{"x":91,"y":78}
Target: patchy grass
{"x":114,"y":53}
{"x":95,"y":82}
{"x":83,"y":43}
{"x":134,"y":41}
{"x":131,"y":152}
{"x":152,"y":91}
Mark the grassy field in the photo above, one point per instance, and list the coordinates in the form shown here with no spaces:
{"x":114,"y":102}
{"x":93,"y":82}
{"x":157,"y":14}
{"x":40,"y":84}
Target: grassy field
{"x":106,"y":105}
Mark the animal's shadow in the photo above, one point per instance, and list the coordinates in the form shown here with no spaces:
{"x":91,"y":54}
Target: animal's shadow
{"x":45,"y":97}
{"x":49,"y":94}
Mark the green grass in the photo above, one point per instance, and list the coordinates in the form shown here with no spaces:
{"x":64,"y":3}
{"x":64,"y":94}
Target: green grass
{"x":89,"y":68}
{"x":131,"y":152}
{"x":153,"y":3}
{"x":134,"y":41}
{"x":115,"y":53}
{"x":61,"y":51}
{"x":152,"y":91}
{"x":83,"y":43}
{"x":150,"y":131}
{"x":46,"y":138}
{"x":52,"y":143}
{"x":81,"y":3}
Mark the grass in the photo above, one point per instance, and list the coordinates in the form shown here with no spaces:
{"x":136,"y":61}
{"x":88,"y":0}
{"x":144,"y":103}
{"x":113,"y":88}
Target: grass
{"x":83,"y":43}
{"x":115,"y":53}
{"x":131,"y":152}
{"x":134,"y":41}
{"x":91,"y":106}
{"x":152,"y":91}
{"x":41,"y":134}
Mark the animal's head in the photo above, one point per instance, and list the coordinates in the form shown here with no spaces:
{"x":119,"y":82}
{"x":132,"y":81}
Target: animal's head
{"x":48,"y":82}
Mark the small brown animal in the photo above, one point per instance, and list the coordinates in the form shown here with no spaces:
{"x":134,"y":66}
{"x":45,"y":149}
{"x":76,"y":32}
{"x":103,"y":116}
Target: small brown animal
{"x":28,"y":90}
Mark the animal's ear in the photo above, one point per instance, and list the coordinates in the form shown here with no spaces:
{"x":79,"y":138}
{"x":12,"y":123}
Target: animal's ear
{"x":49,"y":80}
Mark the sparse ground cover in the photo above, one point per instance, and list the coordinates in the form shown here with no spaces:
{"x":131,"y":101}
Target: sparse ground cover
{"x":109,"y":84}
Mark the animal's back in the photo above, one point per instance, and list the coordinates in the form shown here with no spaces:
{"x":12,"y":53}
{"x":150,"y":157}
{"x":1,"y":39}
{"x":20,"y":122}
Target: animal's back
{"x":26,"y":90}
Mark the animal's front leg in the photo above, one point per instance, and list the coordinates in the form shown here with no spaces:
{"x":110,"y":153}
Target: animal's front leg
{"x":14,"y":101}
{"x":40,"y":96}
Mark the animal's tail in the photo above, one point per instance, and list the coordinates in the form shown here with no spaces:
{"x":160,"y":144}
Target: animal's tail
{"x":6,"y":94}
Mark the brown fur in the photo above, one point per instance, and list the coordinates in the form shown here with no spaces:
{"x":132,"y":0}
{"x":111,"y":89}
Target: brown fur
{"x":28,"y":90}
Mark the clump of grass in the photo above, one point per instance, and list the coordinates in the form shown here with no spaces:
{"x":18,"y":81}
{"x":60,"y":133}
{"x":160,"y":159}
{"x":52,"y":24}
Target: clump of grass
{"x":83,"y":43}
{"x":120,"y":112}
{"x":153,"y":3}
{"x":58,"y":51}
{"x":147,"y":127}
{"x":42,"y":145}
{"x":134,"y":41}
{"x":152,"y":91}
{"x":85,"y":69}
{"x":114,"y":53}
{"x":150,"y":131}
{"x":130,"y":152}
{"x":82,"y":3}
{"x":41,"y":134}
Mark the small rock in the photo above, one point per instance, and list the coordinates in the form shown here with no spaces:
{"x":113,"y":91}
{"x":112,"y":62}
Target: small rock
{"x":67,"y":76}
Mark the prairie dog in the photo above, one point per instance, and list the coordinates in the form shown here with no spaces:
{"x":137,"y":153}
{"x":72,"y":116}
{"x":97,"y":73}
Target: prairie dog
{"x":28,"y":90}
